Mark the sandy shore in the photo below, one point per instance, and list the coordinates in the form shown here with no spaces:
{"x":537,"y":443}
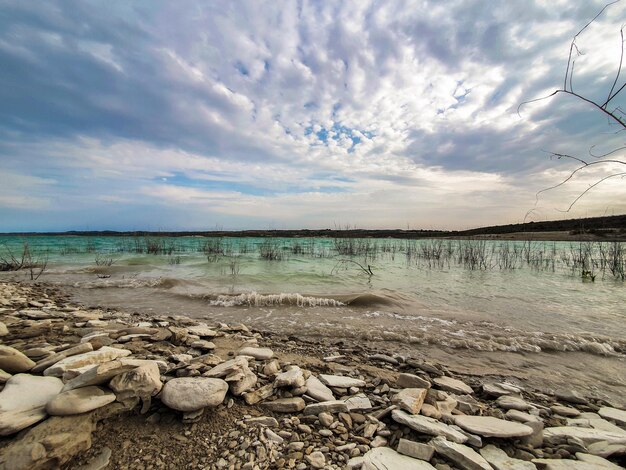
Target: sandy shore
{"x":100,"y":388}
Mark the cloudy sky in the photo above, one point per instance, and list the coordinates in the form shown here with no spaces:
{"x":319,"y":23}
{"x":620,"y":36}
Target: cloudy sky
{"x":291,"y":114}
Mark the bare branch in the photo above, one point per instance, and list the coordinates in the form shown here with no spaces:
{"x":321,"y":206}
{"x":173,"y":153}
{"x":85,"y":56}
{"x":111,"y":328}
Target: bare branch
{"x":619,"y":69}
{"x":591,"y":187}
{"x":608,"y":153}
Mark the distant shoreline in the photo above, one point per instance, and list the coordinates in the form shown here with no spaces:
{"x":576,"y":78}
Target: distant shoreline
{"x":611,"y":228}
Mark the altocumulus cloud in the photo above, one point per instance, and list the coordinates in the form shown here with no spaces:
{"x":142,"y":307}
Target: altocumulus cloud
{"x":166,"y":115}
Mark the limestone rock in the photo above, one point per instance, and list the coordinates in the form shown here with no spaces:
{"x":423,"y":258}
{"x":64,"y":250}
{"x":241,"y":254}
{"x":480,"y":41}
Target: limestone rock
{"x":193,"y":393}
{"x":262,"y":421}
{"x":203,"y":344}
{"x":4,"y":376}
{"x":499,"y":460}
{"x":317,"y":390}
{"x":261,"y":354}
{"x":567,"y":411}
{"x":13,"y":361}
{"x":141,"y":383}
{"x":453,"y":385}
{"x":499,"y":389}
{"x":202,"y":330}
{"x":429,"y":426}
{"x":462,"y":456}
{"x":586,"y":435}
{"x":3,"y":329}
{"x":510,"y":402}
{"x":334,"y":406}
{"x":358,"y":402}
{"x":285,"y":405}
{"x":228,"y":368}
{"x":601,"y":463}
{"x":50,"y":444}
{"x":80,"y":400}
{"x":341,"y":381}
{"x":54,"y":358}
{"x":23,"y":401}
{"x":410,"y":399}
{"x":316,"y":459}
{"x":384,"y":458}
{"x":294,"y":377}
{"x":411,"y":381}
{"x":613,"y":414}
{"x":99,"y":462}
{"x":488,"y":426}
{"x":565,"y":464}
{"x":104,"y":354}
{"x":252,"y":398}
{"x":245,"y":383}
{"x":100,"y":373}
{"x":417,"y":450}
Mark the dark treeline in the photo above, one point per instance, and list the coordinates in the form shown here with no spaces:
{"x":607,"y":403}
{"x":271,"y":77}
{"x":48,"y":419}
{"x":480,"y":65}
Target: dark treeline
{"x":610,"y":226}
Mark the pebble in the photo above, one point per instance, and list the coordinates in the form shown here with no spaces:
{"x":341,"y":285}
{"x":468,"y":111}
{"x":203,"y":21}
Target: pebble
{"x":193,"y":393}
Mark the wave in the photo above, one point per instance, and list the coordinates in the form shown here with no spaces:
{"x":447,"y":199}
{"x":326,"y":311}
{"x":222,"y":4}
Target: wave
{"x":254,"y":299}
{"x":129,"y":283}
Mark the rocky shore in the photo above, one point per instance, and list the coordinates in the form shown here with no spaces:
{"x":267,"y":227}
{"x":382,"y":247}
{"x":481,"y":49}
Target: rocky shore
{"x":95,"y":388}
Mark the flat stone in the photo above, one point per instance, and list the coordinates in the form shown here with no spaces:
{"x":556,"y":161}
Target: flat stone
{"x":488,"y":426}
{"x":499,"y":389}
{"x":13,"y":361}
{"x":80,"y":400}
{"x":499,"y":460}
{"x":262,"y":421}
{"x":358,"y":402}
{"x":600,"y":462}
{"x":613,"y":414}
{"x":411,"y":381}
{"x":429,"y":426}
{"x":567,"y":411}
{"x":384,"y":358}
{"x":334,"y":406}
{"x":510,"y":402}
{"x":261,"y":354}
{"x":252,"y":398}
{"x":453,"y":385}
{"x":100,"y":373}
{"x":227,"y":368}
{"x":203,"y":344}
{"x":4,"y":376}
{"x":3,"y":329}
{"x":193,"y":393}
{"x":317,"y":390}
{"x":417,"y":450}
{"x":294,"y":377}
{"x":23,"y":401}
{"x":564,"y":464}
{"x":586,"y":435}
{"x":104,"y":354}
{"x":384,"y":458}
{"x":604,"y":449}
{"x":54,"y":358}
{"x":202,"y":331}
{"x":522,"y":417}
{"x":410,"y":399}
{"x":464,"y":457}
{"x":285,"y":405}
{"x":340,"y":381}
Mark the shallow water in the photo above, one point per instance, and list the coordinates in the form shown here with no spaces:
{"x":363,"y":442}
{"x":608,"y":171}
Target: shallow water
{"x":422,"y":294}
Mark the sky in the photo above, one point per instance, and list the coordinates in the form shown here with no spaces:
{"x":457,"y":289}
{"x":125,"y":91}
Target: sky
{"x":197,"y":115}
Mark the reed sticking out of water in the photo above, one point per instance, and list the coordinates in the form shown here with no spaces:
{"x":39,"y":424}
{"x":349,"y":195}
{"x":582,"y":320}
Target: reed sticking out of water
{"x":102,"y":260}
{"x":34,"y":264}
{"x":270,"y":250}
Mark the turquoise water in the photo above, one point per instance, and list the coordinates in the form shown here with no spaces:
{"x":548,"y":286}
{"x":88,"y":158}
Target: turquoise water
{"x":415,"y":286}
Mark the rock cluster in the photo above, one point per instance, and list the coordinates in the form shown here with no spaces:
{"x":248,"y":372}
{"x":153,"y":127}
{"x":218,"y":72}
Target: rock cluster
{"x":67,"y":368}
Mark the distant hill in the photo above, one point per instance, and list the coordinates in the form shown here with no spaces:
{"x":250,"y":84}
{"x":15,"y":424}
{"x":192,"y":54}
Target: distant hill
{"x":610,"y":227}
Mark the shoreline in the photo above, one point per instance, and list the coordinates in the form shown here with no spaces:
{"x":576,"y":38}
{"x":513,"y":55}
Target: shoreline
{"x":430,"y":400}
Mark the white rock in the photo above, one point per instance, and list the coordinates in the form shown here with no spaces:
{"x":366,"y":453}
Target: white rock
{"x":317,"y":390}
{"x":464,"y":457}
{"x":341,"y":381}
{"x":80,"y":400}
{"x":565,"y":464}
{"x":193,"y":393}
{"x":358,"y":402}
{"x":410,"y":399}
{"x":499,"y":460}
{"x":202,"y":331}
{"x":334,"y":406}
{"x":510,"y":402}
{"x":614,"y":414}
{"x":292,"y":378}
{"x":142,"y":383}
{"x":411,"y":381}
{"x":228,"y":367}
{"x":586,"y":435}
{"x":600,"y":462}
{"x":23,"y":401}
{"x":417,"y":450}
{"x":384,"y":458}
{"x":453,"y":385}
{"x":488,"y":426}
{"x":261,"y":354}
{"x":429,"y":426}
{"x":104,"y":354}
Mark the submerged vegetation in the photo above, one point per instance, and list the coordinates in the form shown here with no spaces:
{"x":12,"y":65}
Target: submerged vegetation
{"x":588,"y":260}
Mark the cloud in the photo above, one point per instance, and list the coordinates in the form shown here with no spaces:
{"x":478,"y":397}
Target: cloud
{"x":377,"y":113}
